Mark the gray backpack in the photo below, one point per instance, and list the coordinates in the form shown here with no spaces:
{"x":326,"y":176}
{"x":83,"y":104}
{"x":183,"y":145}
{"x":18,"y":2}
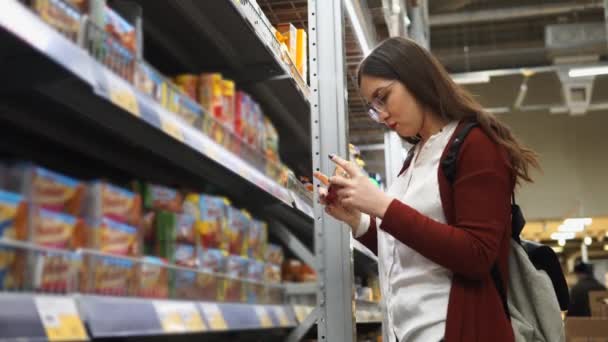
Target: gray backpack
{"x":537,"y":288}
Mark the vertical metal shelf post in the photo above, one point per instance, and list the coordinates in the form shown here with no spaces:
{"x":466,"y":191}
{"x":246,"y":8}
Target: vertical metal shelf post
{"x":335,"y":295}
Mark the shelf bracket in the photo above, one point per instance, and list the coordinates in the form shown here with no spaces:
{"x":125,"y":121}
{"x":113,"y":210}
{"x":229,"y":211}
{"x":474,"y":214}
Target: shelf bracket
{"x":300,"y":331}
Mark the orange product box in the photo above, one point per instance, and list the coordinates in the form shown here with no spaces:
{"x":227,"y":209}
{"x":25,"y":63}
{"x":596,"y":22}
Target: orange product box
{"x":302,"y":54}
{"x":188,"y":84}
{"x":288,"y":36}
{"x":152,"y":278}
{"x":108,"y":275}
{"x":106,"y":200}
{"x":55,"y":230}
{"x":113,"y":237}
{"x":46,"y":189}
{"x":13,"y":216}
{"x":57,"y":272}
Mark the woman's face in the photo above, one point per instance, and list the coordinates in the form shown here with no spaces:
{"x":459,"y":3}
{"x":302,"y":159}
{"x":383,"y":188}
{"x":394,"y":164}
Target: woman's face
{"x":396,"y":106}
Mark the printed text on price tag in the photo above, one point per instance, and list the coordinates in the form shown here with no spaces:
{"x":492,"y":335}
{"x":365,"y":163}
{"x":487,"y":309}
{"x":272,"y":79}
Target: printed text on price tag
{"x":60,"y":319}
{"x":214,"y":316}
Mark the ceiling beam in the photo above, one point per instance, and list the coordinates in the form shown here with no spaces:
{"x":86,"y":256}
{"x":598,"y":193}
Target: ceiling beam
{"x":522,"y":12}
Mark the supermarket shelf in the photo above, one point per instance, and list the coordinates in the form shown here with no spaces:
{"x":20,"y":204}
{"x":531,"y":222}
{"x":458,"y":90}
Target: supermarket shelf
{"x":227,"y":36}
{"x":365,"y":260}
{"x":29,"y":316}
{"x":73,"y":110}
{"x":368,"y":312}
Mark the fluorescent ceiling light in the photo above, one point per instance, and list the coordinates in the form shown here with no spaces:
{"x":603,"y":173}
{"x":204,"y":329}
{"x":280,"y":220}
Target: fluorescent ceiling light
{"x":590,"y":71}
{"x":588,"y":240}
{"x":563,"y":236}
{"x":561,"y":242}
{"x":606,"y":248}
{"x":587,"y":221}
{"x":564,"y":228}
{"x":471,"y":78}
{"x":357,"y":27}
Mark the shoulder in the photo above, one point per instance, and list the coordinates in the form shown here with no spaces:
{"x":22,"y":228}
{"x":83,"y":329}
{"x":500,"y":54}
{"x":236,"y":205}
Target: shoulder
{"x":480,"y":153}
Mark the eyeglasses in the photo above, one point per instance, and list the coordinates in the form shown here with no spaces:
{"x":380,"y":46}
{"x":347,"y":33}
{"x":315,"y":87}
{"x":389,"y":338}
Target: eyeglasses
{"x":378,"y":103}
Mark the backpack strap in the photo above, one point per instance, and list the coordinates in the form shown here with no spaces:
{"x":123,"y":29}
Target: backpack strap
{"x":449,"y":166}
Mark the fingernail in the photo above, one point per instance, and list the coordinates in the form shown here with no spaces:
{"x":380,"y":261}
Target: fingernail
{"x":331,"y":156}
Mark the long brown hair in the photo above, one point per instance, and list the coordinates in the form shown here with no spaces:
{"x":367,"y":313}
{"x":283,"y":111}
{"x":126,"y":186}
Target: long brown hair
{"x":421,"y":73}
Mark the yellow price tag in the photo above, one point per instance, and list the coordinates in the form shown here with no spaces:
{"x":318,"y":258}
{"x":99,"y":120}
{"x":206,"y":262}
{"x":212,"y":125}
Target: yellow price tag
{"x":283,"y":320}
{"x":172,"y":322}
{"x":60,"y":319}
{"x":125,"y":99}
{"x":214,"y":316}
{"x":265,"y":321}
{"x":192,"y":318}
{"x":300,"y":313}
{"x":171,"y":128}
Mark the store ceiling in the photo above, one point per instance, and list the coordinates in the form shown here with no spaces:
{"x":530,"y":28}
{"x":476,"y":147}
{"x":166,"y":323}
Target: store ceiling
{"x":465,"y":39}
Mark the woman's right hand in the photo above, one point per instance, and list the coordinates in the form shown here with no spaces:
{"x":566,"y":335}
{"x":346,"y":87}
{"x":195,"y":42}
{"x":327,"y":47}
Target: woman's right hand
{"x":350,"y":216}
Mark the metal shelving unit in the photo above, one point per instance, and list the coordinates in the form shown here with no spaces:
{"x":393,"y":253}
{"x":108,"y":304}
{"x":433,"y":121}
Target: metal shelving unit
{"x":66,"y":109}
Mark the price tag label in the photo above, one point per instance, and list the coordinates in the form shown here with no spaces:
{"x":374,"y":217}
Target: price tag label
{"x":282,"y":316}
{"x":192,"y":318}
{"x":60,"y":319}
{"x":300,"y":313}
{"x":214,"y":316}
{"x":169,"y":316}
{"x":263,"y":316}
{"x":125,"y":99}
{"x":170,"y":127}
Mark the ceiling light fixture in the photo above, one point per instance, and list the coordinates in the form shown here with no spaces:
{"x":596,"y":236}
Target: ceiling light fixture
{"x":589,"y":71}
{"x":357,"y":27}
{"x":563,"y":236}
{"x":471,"y":78}
{"x":588,"y":240}
{"x":561,"y":242}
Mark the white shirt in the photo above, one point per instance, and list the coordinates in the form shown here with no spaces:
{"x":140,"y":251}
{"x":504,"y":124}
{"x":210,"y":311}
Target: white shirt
{"x":415,"y":290}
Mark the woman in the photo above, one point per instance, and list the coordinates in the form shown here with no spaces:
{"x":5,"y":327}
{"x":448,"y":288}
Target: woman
{"x":436,"y":240}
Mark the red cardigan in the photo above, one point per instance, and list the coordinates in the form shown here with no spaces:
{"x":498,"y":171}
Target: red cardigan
{"x":478,"y":210}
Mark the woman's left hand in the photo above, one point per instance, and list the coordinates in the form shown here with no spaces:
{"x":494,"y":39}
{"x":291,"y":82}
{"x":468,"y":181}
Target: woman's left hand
{"x":357,"y":191}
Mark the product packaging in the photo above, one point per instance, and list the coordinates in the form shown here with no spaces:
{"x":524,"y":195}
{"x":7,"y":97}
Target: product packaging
{"x":66,"y":19}
{"x":158,"y":197}
{"x":113,"y":237}
{"x":236,"y":270}
{"x":120,"y":29}
{"x":46,"y":189}
{"x":189,"y":110}
{"x":274,"y":254}
{"x":302,"y":55}
{"x":12,"y":268}
{"x":149,"y":81}
{"x":188,"y":83}
{"x":56,"y":272}
{"x":288,"y":36}
{"x":241,"y":114}
{"x":106,"y":200}
{"x":233,"y":235}
{"x":185,"y":255}
{"x":255,"y":288}
{"x":152,"y":278}
{"x":106,"y":275}
{"x":228,"y":93}
{"x":210,"y":93}
{"x":257,"y":239}
{"x":55,"y":230}
{"x":13,"y":216}
{"x":272,"y":273}
{"x":212,"y":262}
{"x":185,"y":285}
{"x":210,"y":218}
{"x":212,"y":100}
